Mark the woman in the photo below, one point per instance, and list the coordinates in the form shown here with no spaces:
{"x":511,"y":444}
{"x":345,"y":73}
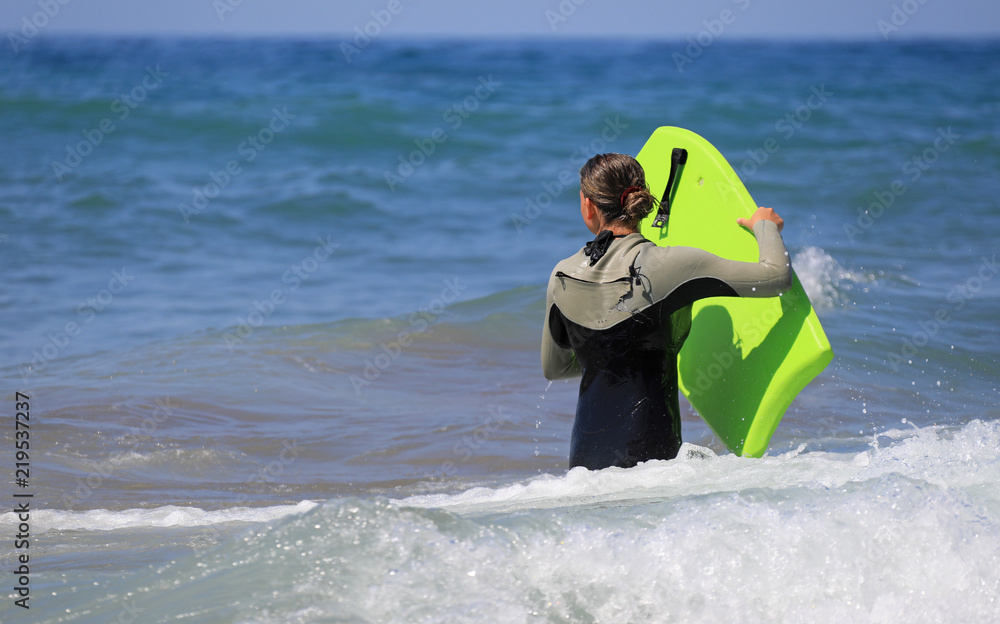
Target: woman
{"x":618,"y":311}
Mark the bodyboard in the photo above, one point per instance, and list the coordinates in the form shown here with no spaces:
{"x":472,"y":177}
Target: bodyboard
{"x":745,"y":359}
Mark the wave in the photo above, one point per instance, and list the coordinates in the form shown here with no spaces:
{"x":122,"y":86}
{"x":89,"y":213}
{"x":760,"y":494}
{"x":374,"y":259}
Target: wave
{"x":906,"y":530}
{"x":825,"y":280}
{"x":45,"y":520}
{"x":936,"y":455}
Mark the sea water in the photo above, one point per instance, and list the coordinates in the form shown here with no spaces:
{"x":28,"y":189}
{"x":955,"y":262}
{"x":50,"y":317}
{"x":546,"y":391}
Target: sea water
{"x":277,"y":316}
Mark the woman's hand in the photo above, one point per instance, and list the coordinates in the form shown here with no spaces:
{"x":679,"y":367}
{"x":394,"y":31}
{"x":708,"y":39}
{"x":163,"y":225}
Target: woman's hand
{"x":765,"y":214}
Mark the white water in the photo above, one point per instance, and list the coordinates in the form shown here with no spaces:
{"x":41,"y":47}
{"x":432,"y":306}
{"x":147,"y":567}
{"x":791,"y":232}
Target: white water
{"x":908,"y":530}
{"x":45,"y":520}
{"x":827,"y":283}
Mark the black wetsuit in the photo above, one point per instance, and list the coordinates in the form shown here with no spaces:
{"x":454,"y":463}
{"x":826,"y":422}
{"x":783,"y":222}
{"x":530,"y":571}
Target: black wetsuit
{"x":619,"y":317}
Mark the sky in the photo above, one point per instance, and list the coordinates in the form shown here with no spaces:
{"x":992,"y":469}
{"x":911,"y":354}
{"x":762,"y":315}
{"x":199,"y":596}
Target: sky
{"x":798,"y":19}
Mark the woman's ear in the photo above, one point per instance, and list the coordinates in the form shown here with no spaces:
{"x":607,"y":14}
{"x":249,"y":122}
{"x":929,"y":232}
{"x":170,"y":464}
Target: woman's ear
{"x":590,"y":213}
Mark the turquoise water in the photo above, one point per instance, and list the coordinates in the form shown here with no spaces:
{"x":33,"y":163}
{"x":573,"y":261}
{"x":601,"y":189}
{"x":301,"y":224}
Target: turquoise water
{"x":278,"y":316}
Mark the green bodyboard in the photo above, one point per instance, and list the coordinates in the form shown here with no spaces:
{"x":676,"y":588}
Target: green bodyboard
{"x":745,"y":359}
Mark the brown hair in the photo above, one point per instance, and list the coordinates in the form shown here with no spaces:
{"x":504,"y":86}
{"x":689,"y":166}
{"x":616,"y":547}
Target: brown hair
{"x":616,"y":184}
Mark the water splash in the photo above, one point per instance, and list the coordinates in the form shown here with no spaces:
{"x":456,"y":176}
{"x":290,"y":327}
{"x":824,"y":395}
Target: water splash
{"x":825,"y":280}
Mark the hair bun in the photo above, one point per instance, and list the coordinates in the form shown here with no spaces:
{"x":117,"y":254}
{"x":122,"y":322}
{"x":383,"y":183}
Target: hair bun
{"x":637,"y":204}
{"x":625,"y":194}
{"x":604,"y":174}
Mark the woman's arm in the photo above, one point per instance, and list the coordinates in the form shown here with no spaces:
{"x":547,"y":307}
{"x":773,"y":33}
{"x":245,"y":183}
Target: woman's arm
{"x":558,"y":360}
{"x":688,"y":274}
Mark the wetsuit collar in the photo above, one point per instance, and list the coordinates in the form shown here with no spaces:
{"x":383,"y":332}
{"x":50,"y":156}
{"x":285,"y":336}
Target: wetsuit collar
{"x":599,"y":246}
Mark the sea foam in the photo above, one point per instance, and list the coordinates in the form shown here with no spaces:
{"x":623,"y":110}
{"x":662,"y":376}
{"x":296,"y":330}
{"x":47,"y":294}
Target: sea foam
{"x":907,"y":530}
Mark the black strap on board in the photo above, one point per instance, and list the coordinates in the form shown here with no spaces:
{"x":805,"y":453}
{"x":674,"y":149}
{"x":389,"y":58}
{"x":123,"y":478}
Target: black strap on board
{"x":678,"y":157}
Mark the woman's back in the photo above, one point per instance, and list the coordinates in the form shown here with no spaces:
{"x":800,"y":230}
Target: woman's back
{"x":617,"y":313}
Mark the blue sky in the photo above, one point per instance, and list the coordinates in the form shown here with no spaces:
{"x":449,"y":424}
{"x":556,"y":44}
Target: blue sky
{"x":537,"y":18}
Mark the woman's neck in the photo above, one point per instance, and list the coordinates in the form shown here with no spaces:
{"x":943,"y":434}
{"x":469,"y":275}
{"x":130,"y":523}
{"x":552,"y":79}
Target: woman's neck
{"x":618,"y":229}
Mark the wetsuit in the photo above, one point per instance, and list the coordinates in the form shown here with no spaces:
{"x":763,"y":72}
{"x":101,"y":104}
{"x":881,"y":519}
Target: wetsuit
{"x":617,"y":313}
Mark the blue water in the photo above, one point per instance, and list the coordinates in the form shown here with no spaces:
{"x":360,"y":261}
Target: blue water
{"x":278,"y":317}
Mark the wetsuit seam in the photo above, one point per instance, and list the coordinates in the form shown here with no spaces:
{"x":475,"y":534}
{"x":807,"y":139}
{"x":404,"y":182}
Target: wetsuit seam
{"x":671,"y":308}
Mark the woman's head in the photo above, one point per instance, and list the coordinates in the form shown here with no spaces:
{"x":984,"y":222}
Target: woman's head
{"x":616,"y":184}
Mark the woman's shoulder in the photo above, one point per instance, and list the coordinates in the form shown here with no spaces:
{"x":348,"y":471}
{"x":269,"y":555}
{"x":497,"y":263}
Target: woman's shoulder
{"x":571,"y":264}
{"x":611,"y":265}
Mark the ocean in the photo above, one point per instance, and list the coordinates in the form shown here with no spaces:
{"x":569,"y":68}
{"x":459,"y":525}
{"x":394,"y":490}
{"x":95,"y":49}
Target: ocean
{"x":272,"y":308}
